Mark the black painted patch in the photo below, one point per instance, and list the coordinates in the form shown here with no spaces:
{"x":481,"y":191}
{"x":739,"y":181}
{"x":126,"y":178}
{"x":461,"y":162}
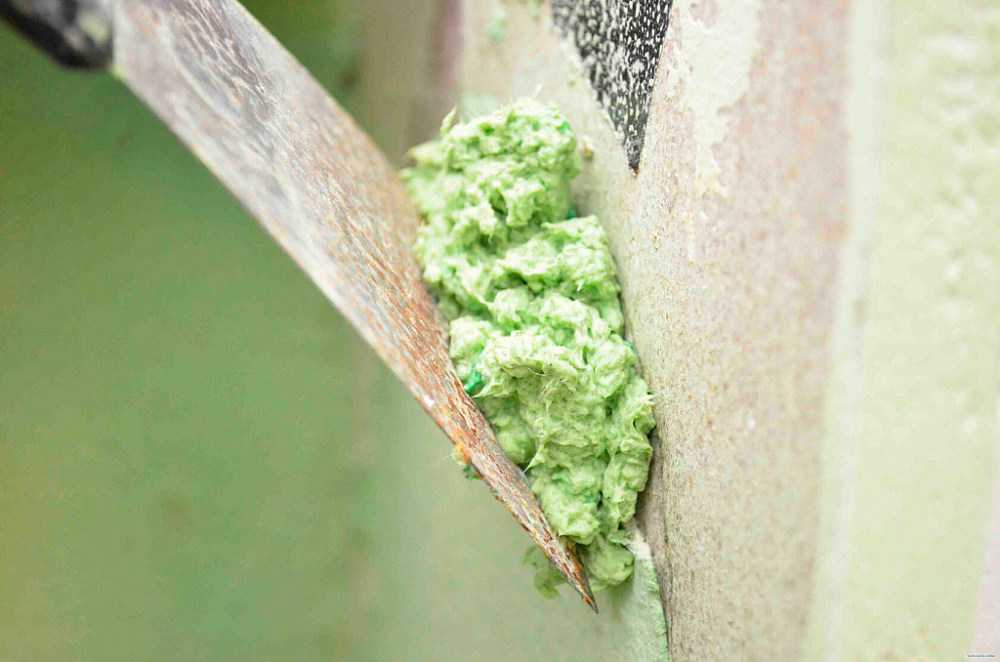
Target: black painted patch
{"x":619,"y":42}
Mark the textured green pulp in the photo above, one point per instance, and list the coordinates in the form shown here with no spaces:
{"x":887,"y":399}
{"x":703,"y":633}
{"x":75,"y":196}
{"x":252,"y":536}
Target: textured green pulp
{"x":535,"y":321}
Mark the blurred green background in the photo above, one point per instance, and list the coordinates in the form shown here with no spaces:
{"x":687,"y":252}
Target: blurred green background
{"x":199,"y":460}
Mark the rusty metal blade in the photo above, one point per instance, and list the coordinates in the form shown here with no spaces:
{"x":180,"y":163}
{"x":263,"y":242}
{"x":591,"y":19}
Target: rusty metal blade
{"x":271,"y":134}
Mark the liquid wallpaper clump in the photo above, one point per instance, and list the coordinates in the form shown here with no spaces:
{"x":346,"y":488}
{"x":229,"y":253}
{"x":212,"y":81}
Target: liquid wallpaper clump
{"x":532,"y":298}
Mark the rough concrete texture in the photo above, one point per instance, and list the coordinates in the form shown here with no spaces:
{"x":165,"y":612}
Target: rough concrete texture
{"x":727,"y":242}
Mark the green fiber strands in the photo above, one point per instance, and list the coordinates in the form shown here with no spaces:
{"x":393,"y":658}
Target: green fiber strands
{"x":533,"y":302}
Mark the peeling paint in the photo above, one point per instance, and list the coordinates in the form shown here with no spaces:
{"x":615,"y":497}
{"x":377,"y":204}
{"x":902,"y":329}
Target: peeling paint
{"x":718,"y":44}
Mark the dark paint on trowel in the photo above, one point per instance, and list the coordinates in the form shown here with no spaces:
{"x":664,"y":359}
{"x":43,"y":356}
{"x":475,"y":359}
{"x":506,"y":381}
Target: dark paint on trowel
{"x":619,"y":42}
{"x":298,"y":163}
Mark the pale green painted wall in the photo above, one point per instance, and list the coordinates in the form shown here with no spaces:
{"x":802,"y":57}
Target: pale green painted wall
{"x":911,"y":453}
{"x":198,"y":459}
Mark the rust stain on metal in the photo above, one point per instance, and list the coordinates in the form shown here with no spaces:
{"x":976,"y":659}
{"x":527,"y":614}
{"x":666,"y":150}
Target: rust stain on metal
{"x":271,"y":134}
